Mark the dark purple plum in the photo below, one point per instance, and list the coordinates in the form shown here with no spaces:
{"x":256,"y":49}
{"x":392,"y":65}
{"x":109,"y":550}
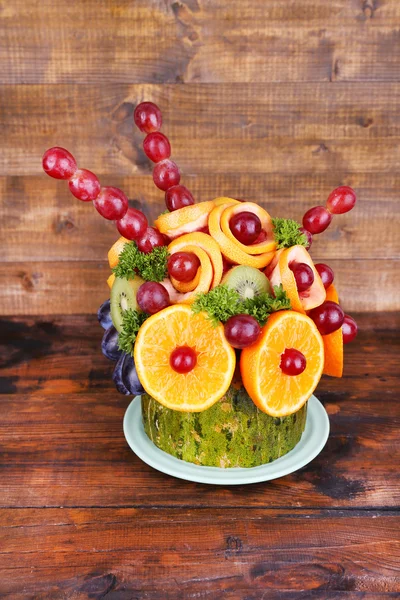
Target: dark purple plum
{"x":109,"y":344}
{"x":125,"y":376}
{"x":104,"y":315}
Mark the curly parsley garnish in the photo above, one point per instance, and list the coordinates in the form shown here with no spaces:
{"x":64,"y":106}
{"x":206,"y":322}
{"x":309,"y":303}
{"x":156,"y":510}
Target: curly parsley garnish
{"x":132,"y":320}
{"x":287,"y":233}
{"x":222,"y":302}
{"x":151,"y":266}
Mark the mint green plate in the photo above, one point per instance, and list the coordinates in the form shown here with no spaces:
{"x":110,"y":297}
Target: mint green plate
{"x":312,"y":441}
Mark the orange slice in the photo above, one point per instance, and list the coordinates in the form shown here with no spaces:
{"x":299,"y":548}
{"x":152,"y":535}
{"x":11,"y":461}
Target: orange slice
{"x":225,"y":200}
{"x":333,"y":343}
{"x":208,"y":244}
{"x":231,"y":250}
{"x":115,"y":251}
{"x":274,"y":392}
{"x":111,"y":280}
{"x":184,"y":220}
{"x":268,"y":245}
{"x":205,"y":279}
{"x":282,"y":274}
{"x":204,"y":385}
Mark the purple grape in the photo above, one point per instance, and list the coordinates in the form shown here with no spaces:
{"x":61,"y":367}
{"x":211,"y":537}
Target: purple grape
{"x":125,"y":376}
{"x":109,"y":344}
{"x":104,"y":315}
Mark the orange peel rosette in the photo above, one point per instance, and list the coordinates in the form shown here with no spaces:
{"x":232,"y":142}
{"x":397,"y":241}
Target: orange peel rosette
{"x":255,"y":255}
{"x":184,"y":220}
{"x":209,"y":245}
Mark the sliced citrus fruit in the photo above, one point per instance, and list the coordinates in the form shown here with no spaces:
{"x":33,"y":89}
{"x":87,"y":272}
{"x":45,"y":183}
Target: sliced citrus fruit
{"x":268,"y":245}
{"x":115,"y":251}
{"x":273,"y":391}
{"x":282,"y":274}
{"x":333,"y":343}
{"x":111,"y":280}
{"x":174,"y":328}
{"x":205,"y":278}
{"x":231,"y":250}
{"x":184,"y":220}
{"x":225,"y":200}
{"x":207,"y":243}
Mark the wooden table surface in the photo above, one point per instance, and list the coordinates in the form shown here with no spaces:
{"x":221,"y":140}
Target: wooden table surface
{"x":83,"y":518}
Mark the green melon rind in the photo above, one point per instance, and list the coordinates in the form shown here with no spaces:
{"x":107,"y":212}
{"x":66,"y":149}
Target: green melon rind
{"x":232,"y":433}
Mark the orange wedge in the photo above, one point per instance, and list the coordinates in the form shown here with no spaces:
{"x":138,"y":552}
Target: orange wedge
{"x":207,"y":382}
{"x":208,"y":244}
{"x":231,"y":250}
{"x":115,"y":251}
{"x":268,"y":245}
{"x":205,"y":278}
{"x":184,"y":220}
{"x":274,"y":392}
{"x":282,"y":274}
{"x":111,"y":280}
{"x":333,"y":343}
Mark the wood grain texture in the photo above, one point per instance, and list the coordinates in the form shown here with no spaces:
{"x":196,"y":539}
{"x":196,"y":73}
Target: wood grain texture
{"x":200,"y":40}
{"x":62,"y":440}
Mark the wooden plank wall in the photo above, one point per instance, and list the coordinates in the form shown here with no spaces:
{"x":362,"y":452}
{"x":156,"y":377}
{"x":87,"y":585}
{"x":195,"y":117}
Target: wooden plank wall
{"x":276,"y":101}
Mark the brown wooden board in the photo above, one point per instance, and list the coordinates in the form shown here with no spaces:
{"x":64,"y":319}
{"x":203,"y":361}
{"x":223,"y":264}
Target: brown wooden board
{"x":206,"y":40}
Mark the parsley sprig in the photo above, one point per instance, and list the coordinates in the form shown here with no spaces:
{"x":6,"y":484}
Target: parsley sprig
{"x":151,"y":266}
{"x":132,"y":320}
{"x":222,"y":302}
{"x":287,"y":233}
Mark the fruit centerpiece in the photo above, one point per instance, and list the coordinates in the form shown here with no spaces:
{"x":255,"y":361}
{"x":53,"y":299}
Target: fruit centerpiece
{"x":218,"y":317}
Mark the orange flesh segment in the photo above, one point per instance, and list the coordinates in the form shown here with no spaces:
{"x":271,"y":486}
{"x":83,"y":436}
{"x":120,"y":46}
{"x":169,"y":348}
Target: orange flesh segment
{"x":184,"y":220}
{"x":274,"y":392}
{"x":333,"y":343}
{"x":208,"y":244}
{"x":115,"y":251}
{"x":282,"y":274}
{"x":209,"y":380}
{"x":268,"y":245}
{"x":231,"y":250}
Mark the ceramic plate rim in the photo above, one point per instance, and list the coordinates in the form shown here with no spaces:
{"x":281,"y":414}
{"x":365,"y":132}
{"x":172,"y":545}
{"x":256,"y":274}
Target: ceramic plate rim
{"x":313,"y":440}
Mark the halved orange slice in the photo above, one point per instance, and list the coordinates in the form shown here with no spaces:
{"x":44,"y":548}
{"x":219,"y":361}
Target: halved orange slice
{"x":282,"y":274}
{"x":115,"y":251}
{"x":208,"y":244}
{"x":184,"y":220}
{"x":333,"y":343}
{"x":268,"y":245}
{"x":274,"y":392}
{"x":231,"y":250}
{"x":177,"y":327}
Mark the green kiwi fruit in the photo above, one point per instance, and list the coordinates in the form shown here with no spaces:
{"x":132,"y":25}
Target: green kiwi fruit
{"x":123,"y":296}
{"x":247,"y":281}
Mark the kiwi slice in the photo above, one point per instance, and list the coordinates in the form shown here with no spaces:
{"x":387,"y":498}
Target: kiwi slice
{"x":247,"y":281}
{"x":123,"y":296}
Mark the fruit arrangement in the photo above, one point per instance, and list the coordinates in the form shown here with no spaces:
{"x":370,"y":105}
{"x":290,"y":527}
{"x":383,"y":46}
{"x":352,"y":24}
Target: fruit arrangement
{"x":217,"y":314}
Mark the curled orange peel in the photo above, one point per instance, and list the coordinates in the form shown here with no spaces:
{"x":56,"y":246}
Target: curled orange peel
{"x":184,"y":220}
{"x":268,"y":245}
{"x":204,"y":281}
{"x":208,"y":244}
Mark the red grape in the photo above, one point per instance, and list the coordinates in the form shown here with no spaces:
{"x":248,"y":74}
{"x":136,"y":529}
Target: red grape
{"x":84,"y":185}
{"x":166,"y":174}
{"x":111,"y":203}
{"x":246,"y":227}
{"x":147,"y":117}
{"x":183,"y":266}
{"x":183,"y":359}
{"x":152,"y":297}
{"x":317,"y":219}
{"x":133,"y":224}
{"x":349,"y":329}
{"x":293,"y":362}
{"x":242,"y":331}
{"x":59,"y":163}
{"x":341,"y":200}
{"x":328,"y":317}
{"x":156,"y":146}
{"x":308,"y":236}
{"x":304,"y":276}
{"x":151,"y":238}
{"x":326,"y":274}
{"x":178,"y":196}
